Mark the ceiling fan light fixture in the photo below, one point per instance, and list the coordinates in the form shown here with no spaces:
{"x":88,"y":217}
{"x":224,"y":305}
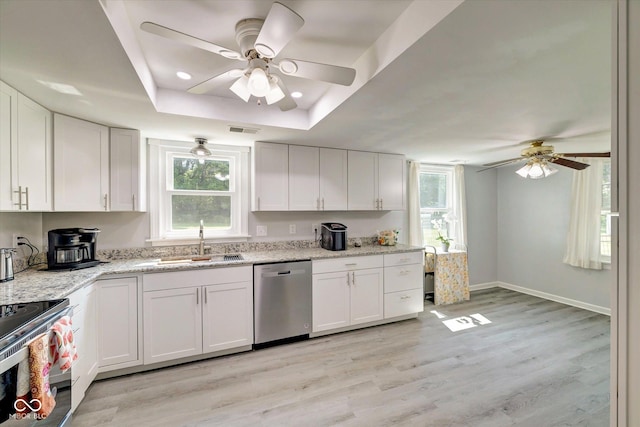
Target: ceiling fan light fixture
{"x":536,"y":171}
{"x":275,"y":93}
{"x":200,"y":151}
{"x":241,"y":88}
{"x":524,"y":171}
{"x":258,"y":83}
{"x":548,"y":169}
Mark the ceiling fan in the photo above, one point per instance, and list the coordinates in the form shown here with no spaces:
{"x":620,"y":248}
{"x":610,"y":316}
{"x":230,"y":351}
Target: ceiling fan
{"x":260,"y":41}
{"x":538,"y":156}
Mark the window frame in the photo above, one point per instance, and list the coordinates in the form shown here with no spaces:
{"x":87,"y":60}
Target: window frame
{"x":450,"y":208}
{"x":606,"y":214}
{"x":162,"y":153}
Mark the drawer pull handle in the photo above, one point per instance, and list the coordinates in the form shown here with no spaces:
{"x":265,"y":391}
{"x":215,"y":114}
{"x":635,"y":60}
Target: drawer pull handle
{"x":352,"y":263}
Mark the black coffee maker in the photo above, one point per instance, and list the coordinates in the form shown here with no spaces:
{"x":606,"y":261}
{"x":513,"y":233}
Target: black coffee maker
{"x":72,"y":248}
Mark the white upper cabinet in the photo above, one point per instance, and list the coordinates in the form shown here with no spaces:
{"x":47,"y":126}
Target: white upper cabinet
{"x":363,"y":181}
{"x":317,"y":179}
{"x":270,"y":177}
{"x":333,"y":179}
{"x":304,"y":178}
{"x":25,"y":144}
{"x":81,"y":165}
{"x":376,"y":181}
{"x":126,"y":183}
{"x":391,"y":182}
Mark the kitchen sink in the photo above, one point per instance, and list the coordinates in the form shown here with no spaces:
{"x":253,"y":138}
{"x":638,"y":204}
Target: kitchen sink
{"x":200,"y":258}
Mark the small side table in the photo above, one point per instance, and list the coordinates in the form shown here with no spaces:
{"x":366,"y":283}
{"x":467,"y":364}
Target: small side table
{"x":451,"y":275}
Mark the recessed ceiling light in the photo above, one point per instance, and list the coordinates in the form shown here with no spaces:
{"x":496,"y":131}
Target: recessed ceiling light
{"x":296,"y":94}
{"x":183,"y":75}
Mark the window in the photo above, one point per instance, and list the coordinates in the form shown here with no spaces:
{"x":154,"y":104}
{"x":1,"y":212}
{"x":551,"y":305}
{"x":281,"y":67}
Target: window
{"x":605,"y":213}
{"x":436,"y":202}
{"x":186,"y":190}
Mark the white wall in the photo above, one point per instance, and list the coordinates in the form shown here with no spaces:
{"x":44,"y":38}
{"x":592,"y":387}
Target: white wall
{"x":533,"y":219}
{"x":118,"y":230}
{"x":130,"y":230}
{"x":25,"y":224}
{"x":482,"y":233}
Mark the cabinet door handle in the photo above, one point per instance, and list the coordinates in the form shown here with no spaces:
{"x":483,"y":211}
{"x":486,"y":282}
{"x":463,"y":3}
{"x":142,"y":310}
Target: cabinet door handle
{"x":197,"y":296}
{"x":133,"y":202}
{"x":26,"y":194}
{"x":19,"y":204}
{"x":204,"y":293}
{"x":354,"y":278}
{"x":105,"y":201}
{"x":381,"y":204}
{"x":348,"y":279}
{"x":350,"y":264}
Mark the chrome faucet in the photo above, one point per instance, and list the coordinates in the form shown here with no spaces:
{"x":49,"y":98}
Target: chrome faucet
{"x":201,"y":249}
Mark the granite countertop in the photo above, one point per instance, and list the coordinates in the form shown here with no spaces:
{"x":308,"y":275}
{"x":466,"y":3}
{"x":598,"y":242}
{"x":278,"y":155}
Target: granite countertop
{"x":39,"y":284}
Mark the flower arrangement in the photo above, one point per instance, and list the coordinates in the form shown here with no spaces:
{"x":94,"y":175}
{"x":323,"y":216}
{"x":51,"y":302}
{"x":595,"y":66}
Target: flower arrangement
{"x":439,"y":226}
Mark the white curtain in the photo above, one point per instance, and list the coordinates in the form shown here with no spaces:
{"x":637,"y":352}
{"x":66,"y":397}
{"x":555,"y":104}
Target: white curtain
{"x":415,"y":224}
{"x":583,"y":238}
{"x":459,"y":232}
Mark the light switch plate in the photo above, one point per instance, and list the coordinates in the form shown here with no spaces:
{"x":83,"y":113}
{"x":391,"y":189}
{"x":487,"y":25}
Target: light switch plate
{"x":261,"y":230}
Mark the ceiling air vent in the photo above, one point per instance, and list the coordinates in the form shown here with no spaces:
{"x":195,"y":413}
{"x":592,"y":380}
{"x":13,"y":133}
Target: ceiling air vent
{"x":238,"y":129}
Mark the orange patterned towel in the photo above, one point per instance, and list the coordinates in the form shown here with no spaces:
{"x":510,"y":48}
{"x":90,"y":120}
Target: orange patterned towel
{"x":37,"y":397}
{"x":62,"y":347}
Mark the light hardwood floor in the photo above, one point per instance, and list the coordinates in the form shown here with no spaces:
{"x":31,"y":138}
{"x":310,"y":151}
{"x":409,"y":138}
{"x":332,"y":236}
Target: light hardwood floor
{"x":539,"y":363}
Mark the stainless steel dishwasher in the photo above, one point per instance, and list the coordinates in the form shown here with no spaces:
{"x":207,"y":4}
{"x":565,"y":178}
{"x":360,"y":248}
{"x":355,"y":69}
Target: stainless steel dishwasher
{"x":281,"y":302}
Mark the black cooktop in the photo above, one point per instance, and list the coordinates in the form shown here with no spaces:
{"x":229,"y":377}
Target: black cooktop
{"x":17,"y":320}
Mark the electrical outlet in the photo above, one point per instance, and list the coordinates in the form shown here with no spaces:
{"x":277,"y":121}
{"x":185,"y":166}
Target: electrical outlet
{"x":261,"y":230}
{"x":292,"y":229}
{"x":14,"y":241}
{"x":315,"y":228}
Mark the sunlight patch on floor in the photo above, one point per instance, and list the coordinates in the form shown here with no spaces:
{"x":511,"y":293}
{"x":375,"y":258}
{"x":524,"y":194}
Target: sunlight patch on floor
{"x":465,"y":322}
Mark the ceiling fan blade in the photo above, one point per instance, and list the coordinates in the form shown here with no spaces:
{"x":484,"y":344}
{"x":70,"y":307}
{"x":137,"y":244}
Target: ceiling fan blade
{"x":168,"y":33}
{"x":315,"y":71}
{"x":278,"y":29}
{"x":569,"y":163}
{"x":215,"y":81}
{"x":287,"y":103}
{"x":503,"y":162}
{"x":607,"y":154}
{"x":498,"y":164}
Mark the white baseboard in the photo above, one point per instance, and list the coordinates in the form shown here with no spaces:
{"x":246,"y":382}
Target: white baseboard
{"x":545,"y":295}
{"x":487,"y":285}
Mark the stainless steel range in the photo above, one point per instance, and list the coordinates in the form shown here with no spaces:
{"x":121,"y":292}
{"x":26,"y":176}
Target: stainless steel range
{"x":20,"y":324}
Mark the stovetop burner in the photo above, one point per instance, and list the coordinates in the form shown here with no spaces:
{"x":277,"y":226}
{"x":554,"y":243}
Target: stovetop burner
{"x":17,"y":319}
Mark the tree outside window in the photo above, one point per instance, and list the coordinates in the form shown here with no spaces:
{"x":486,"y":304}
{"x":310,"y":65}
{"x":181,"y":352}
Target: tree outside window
{"x":184,"y":190}
{"x":200,"y":190}
{"x":436,"y":189}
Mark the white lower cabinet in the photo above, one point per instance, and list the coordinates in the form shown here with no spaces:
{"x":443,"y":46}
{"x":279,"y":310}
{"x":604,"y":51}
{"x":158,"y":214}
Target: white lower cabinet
{"x":197,"y":311}
{"x":227,"y":316}
{"x":84,"y":325}
{"x":118,"y":323}
{"x":347,"y":291}
{"x":403,"y":284}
